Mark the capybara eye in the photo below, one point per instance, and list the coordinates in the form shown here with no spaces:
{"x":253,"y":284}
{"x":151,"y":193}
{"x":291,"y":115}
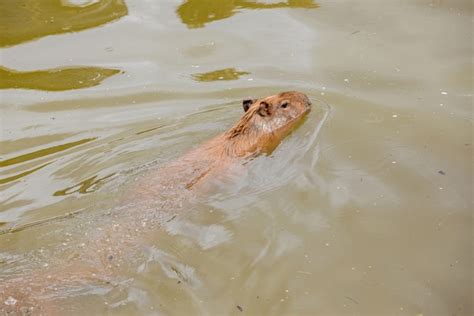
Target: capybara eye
{"x":284,"y":105}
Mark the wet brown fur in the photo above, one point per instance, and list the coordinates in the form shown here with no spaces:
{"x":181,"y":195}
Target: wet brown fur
{"x":246,"y":138}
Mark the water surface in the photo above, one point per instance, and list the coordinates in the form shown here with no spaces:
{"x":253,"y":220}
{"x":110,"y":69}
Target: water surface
{"x":366,"y":209}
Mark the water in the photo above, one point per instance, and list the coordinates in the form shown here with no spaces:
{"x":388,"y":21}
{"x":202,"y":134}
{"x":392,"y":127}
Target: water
{"x":365,"y":209}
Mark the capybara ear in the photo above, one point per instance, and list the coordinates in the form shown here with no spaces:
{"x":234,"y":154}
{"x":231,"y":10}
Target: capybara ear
{"x":247,"y":103}
{"x":264,"y":109}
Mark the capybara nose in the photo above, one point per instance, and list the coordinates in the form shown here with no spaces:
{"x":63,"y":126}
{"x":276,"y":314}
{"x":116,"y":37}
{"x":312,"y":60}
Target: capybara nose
{"x":307,"y":101}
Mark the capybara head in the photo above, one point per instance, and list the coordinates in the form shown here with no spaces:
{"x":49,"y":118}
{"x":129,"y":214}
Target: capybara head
{"x":267,"y":121}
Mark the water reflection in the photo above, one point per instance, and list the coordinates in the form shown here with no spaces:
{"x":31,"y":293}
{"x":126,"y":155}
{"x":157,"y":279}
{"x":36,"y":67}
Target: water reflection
{"x":25,"y":20}
{"x":22,"y":175}
{"x":43,"y":152}
{"x":196,"y":13}
{"x":221,"y":74}
{"x":89,"y":185}
{"x":57,"y":79}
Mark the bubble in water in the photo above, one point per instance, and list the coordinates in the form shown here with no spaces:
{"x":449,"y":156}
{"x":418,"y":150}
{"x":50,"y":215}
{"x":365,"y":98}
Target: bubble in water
{"x":10,"y":301}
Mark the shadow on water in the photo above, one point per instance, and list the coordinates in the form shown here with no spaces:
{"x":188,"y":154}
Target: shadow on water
{"x":197,"y":13}
{"x":57,"y":79}
{"x":25,"y":20}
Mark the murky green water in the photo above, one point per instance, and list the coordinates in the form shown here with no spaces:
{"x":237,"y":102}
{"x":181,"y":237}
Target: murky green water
{"x":366,"y":209}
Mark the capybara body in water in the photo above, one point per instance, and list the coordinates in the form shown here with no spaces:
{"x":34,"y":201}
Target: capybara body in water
{"x":152,"y":199}
{"x":265,"y":123}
